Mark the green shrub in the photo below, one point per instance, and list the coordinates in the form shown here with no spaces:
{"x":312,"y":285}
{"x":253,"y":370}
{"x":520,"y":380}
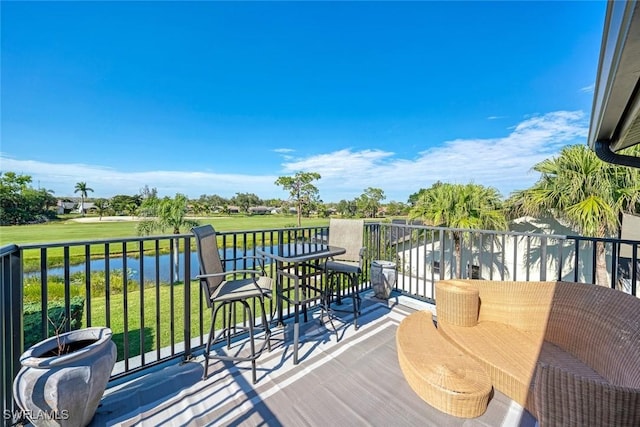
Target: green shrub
{"x":55,"y":290}
{"x":55,"y":285}
{"x":116,"y":282}
{"x":55,"y":311}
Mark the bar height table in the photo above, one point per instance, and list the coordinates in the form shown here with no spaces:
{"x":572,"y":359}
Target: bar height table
{"x":297,"y":262}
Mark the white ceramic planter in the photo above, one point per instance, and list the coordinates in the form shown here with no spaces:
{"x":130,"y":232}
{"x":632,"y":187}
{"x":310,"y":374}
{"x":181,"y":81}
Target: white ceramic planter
{"x":383,"y":278}
{"x":64,"y":391}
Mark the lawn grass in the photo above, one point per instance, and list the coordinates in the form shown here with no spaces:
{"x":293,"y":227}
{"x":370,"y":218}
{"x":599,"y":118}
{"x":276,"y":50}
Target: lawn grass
{"x":159,"y":325}
{"x":151,"y":333}
{"x":163,"y":327}
{"x":64,"y":231}
{"x":68,"y":230}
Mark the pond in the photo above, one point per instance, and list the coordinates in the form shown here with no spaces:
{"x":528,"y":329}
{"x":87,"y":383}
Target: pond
{"x":149,"y":265}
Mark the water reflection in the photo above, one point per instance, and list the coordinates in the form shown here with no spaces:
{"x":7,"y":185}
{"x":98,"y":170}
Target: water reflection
{"x":165,"y":261}
{"x":233,"y":256}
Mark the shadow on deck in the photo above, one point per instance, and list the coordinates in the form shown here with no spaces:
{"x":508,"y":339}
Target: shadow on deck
{"x":355,"y":381}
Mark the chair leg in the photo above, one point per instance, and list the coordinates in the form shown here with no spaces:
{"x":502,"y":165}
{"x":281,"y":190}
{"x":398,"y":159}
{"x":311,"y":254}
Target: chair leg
{"x":212,"y":331}
{"x":338,"y":290}
{"x":325,"y":302}
{"x":252,"y":342}
{"x":356,"y":299}
{"x":334,"y":282}
{"x":267,"y":329}
{"x":272,"y":311}
{"x":228,"y":325}
{"x":230,"y":328}
{"x":333,"y":288}
{"x":304,"y":306}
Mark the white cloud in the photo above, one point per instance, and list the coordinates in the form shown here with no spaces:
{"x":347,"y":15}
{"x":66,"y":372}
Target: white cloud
{"x":338,"y":164}
{"x":283,"y":150}
{"x":503,"y":162}
{"x":107,"y":182}
{"x":500,"y":162}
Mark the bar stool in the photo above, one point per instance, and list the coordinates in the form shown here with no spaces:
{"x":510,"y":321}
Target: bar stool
{"x":222,"y":293}
{"x":348,"y":234}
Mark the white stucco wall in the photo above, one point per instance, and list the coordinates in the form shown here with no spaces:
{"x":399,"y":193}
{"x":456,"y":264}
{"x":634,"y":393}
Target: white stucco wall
{"x":516,"y":257}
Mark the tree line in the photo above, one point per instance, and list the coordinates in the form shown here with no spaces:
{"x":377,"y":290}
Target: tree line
{"x":20,"y":203}
{"x":575,"y":187}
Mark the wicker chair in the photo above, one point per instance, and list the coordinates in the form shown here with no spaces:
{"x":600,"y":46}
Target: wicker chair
{"x":568,"y":352}
{"x":439,"y":372}
{"x":222,"y":292}
{"x":348,"y":234}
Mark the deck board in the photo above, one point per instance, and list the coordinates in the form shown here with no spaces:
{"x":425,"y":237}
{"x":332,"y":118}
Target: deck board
{"x":355,"y":381}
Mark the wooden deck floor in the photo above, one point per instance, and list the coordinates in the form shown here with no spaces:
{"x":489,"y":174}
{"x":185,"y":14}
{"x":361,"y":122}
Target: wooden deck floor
{"x":350,"y":382}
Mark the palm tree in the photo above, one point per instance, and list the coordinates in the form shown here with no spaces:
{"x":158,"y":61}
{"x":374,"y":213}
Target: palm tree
{"x":586,"y":192}
{"x":82,"y":188}
{"x":163,"y":214}
{"x":467,"y":206}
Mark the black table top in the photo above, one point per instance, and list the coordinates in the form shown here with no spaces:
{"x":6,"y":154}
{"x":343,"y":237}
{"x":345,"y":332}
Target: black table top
{"x":300,"y":252}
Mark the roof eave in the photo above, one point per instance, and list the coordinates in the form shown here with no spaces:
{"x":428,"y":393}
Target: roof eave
{"x":615,"y":118}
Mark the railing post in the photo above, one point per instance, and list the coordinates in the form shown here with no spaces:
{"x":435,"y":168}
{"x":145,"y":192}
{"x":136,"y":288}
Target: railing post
{"x":634,"y":270}
{"x":11,"y":328}
{"x":614,"y":264}
{"x":560,"y":258}
{"x":187,"y":299}
{"x":443,"y":264}
{"x":543,"y":259}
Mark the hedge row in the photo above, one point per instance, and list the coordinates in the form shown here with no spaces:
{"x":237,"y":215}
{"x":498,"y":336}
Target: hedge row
{"x":56,"y":314}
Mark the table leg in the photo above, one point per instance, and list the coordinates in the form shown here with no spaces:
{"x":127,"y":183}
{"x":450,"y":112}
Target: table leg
{"x":303,"y":274}
{"x":279,"y":296}
{"x":296,"y":333}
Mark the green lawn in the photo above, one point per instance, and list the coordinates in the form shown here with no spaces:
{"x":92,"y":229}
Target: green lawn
{"x":155,"y":328}
{"x":67,"y":230}
{"x":150,"y":331}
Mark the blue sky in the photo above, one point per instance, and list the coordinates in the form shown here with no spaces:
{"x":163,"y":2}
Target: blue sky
{"x":225,"y":97}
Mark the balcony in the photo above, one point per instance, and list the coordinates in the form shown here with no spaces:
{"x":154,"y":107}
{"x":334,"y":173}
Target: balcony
{"x":147,"y":297}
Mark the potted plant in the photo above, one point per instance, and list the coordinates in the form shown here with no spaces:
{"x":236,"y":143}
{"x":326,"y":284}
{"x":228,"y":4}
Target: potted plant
{"x":63,"y":378}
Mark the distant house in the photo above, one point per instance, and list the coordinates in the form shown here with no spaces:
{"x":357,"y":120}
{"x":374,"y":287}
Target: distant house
{"x":88,"y":206}
{"x":65,"y":207}
{"x":398,"y":235}
{"x":260,"y":210}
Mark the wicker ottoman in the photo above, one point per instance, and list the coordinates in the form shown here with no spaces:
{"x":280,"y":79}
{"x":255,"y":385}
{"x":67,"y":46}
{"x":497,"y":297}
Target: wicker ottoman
{"x":442,"y":375}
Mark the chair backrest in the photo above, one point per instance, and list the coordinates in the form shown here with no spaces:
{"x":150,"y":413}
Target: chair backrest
{"x":629,"y":230}
{"x":348,"y":234}
{"x":208,"y":258}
